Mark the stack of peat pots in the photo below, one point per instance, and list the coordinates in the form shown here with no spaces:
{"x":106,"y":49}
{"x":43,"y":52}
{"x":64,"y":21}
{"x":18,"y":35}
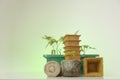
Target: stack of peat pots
{"x":71,"y":43}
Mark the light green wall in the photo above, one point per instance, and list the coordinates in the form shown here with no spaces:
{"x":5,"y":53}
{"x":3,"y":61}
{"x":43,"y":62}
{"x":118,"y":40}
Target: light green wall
{"x":24,"y":22}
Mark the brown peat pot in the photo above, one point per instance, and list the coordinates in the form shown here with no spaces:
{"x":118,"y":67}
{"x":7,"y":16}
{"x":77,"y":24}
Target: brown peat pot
{"x":71,"y":57}
{"x":71,"y":42}
{"x":71,"y":37}
{"x":93,"y":67}
{"x":72,"y":48}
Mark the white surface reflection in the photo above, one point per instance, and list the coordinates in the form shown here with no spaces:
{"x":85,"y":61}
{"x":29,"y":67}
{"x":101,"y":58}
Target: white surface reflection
{"x":75,"y":78}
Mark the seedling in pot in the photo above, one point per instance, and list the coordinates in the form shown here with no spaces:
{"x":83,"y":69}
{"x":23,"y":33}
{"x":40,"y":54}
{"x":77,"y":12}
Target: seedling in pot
{"x":54,"y":44}
{"x":76,"y":32}
{"x":84,"y":48}
{"x":72,"y":53}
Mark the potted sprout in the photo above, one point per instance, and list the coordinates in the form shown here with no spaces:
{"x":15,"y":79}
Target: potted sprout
{"x":56,"y":51}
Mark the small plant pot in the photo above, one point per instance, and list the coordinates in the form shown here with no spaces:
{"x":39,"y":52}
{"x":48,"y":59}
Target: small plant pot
{"x":93,"y":67}
{"x":69,"y":52}
{"x":71,"y":37}
{"x":70,"y":68}
{"x":72,"y":43}
{"x":57,"y":58}
{"x":72,"y":48}
{"x":82,"y":57}
{"x":52,"y":69}
{"x":70,"y":57}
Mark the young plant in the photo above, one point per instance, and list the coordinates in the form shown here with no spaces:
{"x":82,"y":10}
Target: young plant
{"x":72,"y":53}
{"x":84,"y":48}
{"x":54,"y":44}
{"x":76,"y":32}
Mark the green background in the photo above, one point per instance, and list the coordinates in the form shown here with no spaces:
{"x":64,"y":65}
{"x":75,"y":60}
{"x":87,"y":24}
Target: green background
{"x":24,"y":22}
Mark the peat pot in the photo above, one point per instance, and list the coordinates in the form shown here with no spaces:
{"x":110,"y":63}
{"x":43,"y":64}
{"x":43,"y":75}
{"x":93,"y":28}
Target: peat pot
{"x":52,"y":69}
{"x":82,"y":62}
{"x":72,"y":43}
{"x":71,"y":37}
{"x":93,"y":67}
{"x":72,"y":48}
{"x":71,"y":57}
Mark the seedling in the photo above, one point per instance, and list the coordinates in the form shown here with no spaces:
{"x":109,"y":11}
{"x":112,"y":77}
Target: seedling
{"x":76,"y":32}
{"x":84,"y":48}
{"x":70,"y":53}
{"x":54,"y":44}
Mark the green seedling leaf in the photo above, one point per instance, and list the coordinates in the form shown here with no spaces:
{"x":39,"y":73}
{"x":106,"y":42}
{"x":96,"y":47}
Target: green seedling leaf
{"x":83,"y":48}
{"x":47,"y":37}
{"x":76,"y":32}
{"x":92,"y":47}
{"x":73,"y":53}
{"x":61,"y":39}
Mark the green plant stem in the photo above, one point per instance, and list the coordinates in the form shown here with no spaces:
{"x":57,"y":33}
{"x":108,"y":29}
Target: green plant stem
{"x":53,"y":49}
{"x":84,"y":51}
{"x":56,"y":48}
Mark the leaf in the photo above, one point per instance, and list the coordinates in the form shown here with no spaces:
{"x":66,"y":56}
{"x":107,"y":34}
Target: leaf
{"x":47,"y":37}
{"x":82,"y":50}
{"x":61,"y":39}
{"x":86,"y":46}
{"x":72,"y":53}
{"x":92,"y":48}
{"x":76,"y":32}
{"x":51,"y":42}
